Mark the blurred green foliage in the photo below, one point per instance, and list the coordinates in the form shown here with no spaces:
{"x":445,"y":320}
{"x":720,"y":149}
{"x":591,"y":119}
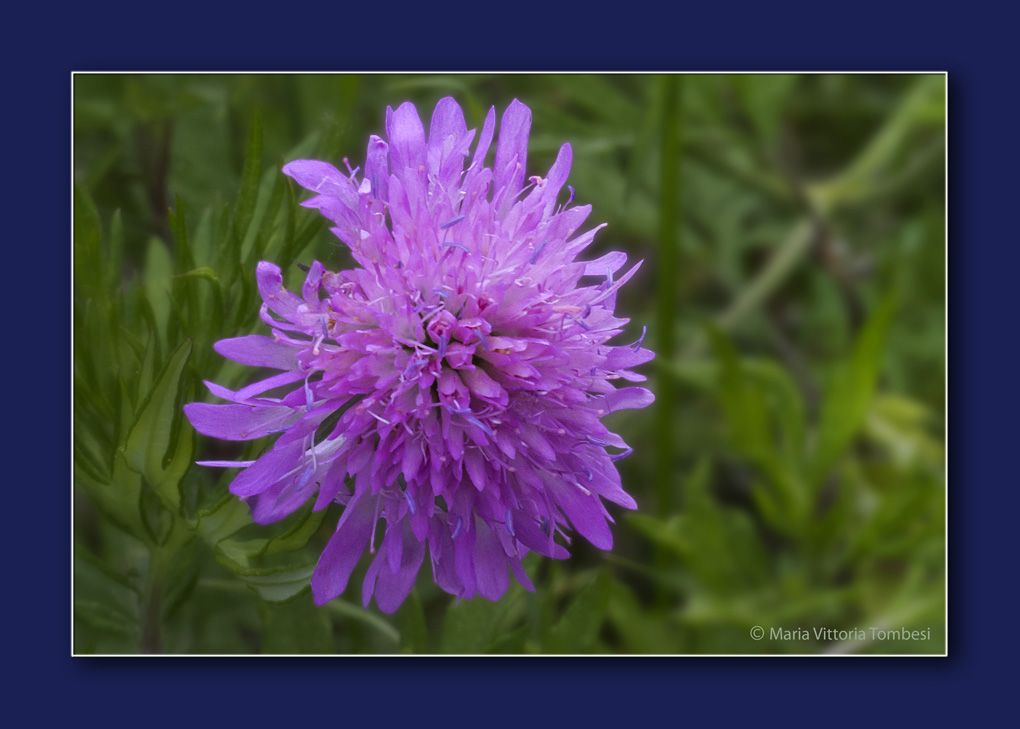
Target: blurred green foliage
{"x":791,"y":474}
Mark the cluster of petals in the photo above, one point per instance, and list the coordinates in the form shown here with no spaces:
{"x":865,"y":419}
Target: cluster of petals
{"x":453,"y":382}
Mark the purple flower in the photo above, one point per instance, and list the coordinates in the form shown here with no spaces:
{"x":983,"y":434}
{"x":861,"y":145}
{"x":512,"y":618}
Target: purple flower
{"x":453,"y":382}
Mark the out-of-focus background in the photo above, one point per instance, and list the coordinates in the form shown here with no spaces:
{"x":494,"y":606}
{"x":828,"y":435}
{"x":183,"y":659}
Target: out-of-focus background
{"x":790,"y":476}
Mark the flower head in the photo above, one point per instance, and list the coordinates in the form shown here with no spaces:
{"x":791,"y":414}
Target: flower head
{"x":454,"y":381}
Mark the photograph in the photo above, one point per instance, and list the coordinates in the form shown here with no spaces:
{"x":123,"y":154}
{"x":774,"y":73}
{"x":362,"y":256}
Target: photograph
{"x":509,"y":364}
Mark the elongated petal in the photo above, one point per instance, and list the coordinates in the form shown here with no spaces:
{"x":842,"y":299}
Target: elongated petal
{"x":258,"y":351}
{"x":343,"y":550}
{"x":407,"y":137}
{"x":236,"y":422}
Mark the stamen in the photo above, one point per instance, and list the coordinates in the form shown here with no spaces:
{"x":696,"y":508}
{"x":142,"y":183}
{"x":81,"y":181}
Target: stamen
{"x":305,"y":478}
{"x":637,"y":344}
{"x":587,"y":311}
{"x":571,"y":198}
{"x":475,"y":421}
{"x":509,"y":523}
{"x":457,"y":527}
{"x":618,"y":456}
{"x":440,"y":293}
{"x":485,"y":342}
{"x":442,"y":346}
{"x":546,"y":526}
{"x":534,"y":256}
{"x":598,"y":441}
{"x":451,"y":222}
{"x":411,"y":506}
{"x":380,"y":419}
{"x":303,"y":266}
{"x":587,"y":472}
{"x":458,"y":245}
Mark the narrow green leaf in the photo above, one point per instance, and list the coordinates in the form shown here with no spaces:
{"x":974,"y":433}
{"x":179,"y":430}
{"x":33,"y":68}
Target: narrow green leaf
{"x":88,"y":260}
{"x":179,"y":227}
{"x":577,"y":630}
{"x":155,"y":447}
{"x":156,"y":278}
{"x":115,"y":263}
{"x":413,"y":630}
{"x":250,"y":177}
{"x":181,"y":577}
{"x":851,"y":390}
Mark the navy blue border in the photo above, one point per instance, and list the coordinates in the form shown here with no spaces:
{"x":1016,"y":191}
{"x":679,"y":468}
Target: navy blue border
{"x":766,"y":36}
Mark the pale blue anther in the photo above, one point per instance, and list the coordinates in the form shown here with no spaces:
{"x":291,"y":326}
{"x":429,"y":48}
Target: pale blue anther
{"x":442,"y":346}
{"x":538,"y":251}
{"x":457,"y":527}
{"x":639,"y":342}
{"x":451,"y":222}
{"x":546,"y":526}
{"x":411,"y":506}
{"x":587,"y":472}
{"x":587,"y":310}
{"x":440,"y":293}
{"x":458,"y":245}
{"x":509,"y":523}
{"x":583,"y":325}
{"x":571,"y":198}
{"x":305,"y":478}
{"x":618,"y":456}
{"x":485,"y":342}
{"x":598,"y":441}
{"x":475,"y":421}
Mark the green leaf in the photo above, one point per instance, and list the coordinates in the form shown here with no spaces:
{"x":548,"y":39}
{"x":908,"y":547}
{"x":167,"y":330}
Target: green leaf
{"x":414,"y":637}
{"x":281,"y":585}
{"x":118,"y":497}
{"x":156,"y":447}
{"x":764,"y":97}
{"x":577,"y":630}
{"x":471,"y":626}
{"x":223,"y":520}
{"x":849,"y":395}
{"x":250,"y":177}
{"x":181,"y":577}
{"x":474,"y":626}
{"x":298,"y":537}
{"x":156,"y":279}
{"x":104,"y":599}
{"x":115,"y":264}
{"x":297,"y":627}
{"x":88,"y":259}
